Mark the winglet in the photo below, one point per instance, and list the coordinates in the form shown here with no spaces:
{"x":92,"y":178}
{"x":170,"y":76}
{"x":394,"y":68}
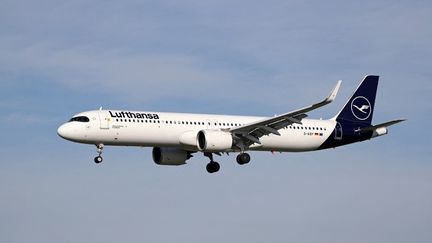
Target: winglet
{"x":334,"y":92}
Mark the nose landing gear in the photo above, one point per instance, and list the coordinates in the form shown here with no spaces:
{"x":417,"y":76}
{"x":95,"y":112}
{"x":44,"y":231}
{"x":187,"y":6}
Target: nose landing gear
{"x":98,"y":159}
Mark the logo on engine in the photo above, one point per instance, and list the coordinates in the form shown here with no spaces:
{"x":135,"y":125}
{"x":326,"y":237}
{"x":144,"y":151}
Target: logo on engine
{"x":361,"y":108}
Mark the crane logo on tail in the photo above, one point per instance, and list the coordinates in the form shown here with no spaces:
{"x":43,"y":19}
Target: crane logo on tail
{"x":361,"y":108}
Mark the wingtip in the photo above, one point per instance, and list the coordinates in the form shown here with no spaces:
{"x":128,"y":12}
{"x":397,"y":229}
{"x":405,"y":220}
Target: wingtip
{"x":334,"y":91}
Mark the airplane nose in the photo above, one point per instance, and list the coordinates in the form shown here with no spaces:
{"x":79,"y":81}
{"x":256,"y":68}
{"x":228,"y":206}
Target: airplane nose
{"x":62,"y":131}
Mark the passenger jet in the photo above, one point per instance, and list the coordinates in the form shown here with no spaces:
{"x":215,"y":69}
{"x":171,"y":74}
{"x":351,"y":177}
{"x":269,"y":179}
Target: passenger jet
{"x":175,"y":137}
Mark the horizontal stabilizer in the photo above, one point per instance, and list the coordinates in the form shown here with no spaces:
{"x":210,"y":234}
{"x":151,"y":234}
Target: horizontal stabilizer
{"x":382,"y":125}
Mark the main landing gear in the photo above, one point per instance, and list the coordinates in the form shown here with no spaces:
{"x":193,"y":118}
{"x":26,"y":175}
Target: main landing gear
{"x":98,"y":159}
{"x":213,"y":166}
{"x":243,"y":158}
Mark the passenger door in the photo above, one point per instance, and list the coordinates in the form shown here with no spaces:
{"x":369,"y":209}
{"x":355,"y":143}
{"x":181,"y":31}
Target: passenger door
{"x":338,"y":131}
{"x":104,"y":119}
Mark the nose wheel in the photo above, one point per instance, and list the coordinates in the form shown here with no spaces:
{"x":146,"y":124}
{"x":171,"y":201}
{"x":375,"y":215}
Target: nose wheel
{"x":98,"y":159}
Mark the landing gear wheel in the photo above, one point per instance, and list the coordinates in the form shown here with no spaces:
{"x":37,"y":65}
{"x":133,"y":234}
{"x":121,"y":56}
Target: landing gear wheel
{"x":243,"y":158}
{"x":213,"y":167}
{"x":98,"y":159}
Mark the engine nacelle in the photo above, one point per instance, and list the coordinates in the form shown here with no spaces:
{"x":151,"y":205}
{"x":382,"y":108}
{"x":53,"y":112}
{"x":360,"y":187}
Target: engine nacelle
{"x":214,"y":141}
{"x":188,"y":140}
{"x":170,"y":156}
{"x":380,"y":131}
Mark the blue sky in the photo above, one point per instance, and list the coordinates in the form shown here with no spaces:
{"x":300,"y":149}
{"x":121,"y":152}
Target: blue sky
{"x":232,"y":57}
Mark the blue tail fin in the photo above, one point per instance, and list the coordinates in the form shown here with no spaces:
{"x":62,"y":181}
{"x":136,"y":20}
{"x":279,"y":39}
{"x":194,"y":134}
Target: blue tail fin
{"x":359,"y":108}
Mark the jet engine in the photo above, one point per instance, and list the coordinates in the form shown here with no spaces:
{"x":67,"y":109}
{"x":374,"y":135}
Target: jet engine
{"x":170,"y":156}
{"x":214,"y":140}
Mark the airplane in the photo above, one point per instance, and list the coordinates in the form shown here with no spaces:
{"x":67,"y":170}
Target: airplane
{"x":175,"y":137}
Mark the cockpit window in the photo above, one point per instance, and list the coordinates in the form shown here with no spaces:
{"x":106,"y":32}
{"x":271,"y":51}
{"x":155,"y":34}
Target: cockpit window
{"x":80,"y":119}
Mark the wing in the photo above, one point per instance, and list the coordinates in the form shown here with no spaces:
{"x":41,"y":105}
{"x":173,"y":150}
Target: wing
{"x":250,"y":133}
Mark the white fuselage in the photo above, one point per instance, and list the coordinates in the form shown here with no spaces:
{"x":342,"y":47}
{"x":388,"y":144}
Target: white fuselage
{"x":160,"y":129}
{"x":176,"y":136}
